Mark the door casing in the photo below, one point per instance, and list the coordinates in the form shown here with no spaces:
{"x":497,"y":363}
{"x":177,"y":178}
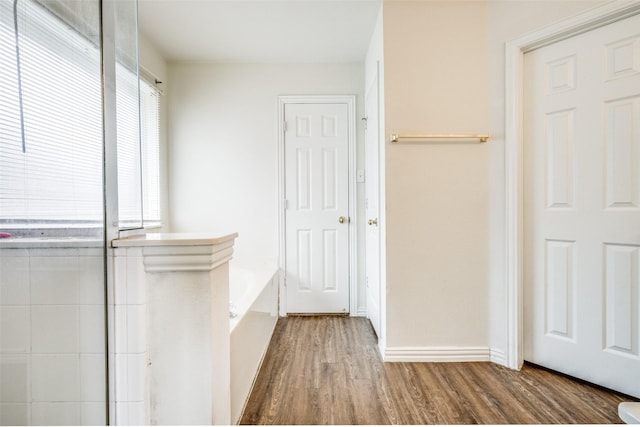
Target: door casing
{"x":350,"y":101}
{"x":514,"y":160}
{"x":372,"y":184}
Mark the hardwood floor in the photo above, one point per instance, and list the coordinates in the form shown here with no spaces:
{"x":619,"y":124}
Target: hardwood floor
{"x":327,"y":370}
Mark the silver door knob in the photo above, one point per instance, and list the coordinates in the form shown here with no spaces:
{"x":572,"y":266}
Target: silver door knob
{"x":373,"y":222}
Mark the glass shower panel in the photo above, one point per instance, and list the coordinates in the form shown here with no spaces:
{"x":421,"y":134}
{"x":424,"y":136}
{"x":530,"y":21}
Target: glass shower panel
{"x":52,"y":251}
{"x":128,"y":115}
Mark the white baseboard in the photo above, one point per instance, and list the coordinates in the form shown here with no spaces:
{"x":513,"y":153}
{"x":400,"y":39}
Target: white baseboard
{"x":498,"y":357}
{"x":437,"y":354}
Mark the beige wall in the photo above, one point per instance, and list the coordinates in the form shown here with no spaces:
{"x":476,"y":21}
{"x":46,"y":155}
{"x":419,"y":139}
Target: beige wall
{"x":444,"y":73}
{"x":437,"y":206}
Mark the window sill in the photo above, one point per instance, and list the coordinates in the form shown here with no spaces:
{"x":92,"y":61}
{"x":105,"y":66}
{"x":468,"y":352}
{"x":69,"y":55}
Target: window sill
{"x":149,"y":228}
{"x":50,"y":242}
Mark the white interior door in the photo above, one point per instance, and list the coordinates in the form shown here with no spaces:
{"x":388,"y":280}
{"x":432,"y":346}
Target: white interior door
{"x":582,"y":206}
{"x":317,"y":208}
{"x":372,"y":188}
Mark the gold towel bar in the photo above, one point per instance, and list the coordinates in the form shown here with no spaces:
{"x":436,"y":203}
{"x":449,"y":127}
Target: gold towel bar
{"x":482,"y":138}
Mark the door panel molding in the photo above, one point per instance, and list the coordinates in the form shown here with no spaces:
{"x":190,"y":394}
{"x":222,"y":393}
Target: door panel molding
{"x":350,"y":101}
{"x":514,"y":159}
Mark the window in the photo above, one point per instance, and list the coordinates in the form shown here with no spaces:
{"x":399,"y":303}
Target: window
{"x":50,"y":120}
{"x":150,"y":134}
{"x":138,"y":151}
{"x":51,"y":141}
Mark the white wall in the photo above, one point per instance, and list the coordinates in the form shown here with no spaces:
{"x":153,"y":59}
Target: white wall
{"x":223,"y":154}
{"x":444,"y":73}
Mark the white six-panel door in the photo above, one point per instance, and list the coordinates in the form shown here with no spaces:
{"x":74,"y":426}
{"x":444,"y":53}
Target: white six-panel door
{"x":582,"y":206}
{"x":316,"y":140}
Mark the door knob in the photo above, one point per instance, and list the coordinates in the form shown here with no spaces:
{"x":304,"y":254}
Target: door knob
{"x":341,"y":220}
{"x":373,"y":222}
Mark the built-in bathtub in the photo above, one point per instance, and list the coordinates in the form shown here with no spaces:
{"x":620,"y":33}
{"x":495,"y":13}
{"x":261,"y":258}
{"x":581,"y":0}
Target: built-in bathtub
{"x":253,"y":292}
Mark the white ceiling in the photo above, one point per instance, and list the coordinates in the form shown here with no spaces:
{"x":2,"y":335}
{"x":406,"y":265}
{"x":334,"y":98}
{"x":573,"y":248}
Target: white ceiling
{"x":270,"y":31}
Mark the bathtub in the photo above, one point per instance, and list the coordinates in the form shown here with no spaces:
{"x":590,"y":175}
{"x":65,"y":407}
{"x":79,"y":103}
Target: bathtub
{"x":253,"y":294}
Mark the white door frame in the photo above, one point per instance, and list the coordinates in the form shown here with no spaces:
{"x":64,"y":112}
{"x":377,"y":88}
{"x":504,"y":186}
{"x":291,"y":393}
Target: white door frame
{"x":374,"y":85}
{"x":514,"y":161}
{"x":350,"y":100}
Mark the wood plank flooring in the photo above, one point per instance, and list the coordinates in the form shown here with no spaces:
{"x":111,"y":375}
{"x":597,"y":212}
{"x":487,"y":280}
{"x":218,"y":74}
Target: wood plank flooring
{"x":327,"y":370}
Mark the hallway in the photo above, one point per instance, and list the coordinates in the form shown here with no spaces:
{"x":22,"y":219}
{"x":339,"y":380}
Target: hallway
{"x":327,"y":370}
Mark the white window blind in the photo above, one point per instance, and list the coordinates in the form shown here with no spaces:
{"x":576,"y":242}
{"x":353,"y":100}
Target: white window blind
{"x":137,"y":128}
{"x":150,"y":125}
{"x":138,"y":151}
{"x":52,"y":172}
{"x":50,"y":119}
{"x":129,"y":166}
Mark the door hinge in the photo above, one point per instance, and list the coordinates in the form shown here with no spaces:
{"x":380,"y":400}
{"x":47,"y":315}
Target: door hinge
{"x":284,"y":126}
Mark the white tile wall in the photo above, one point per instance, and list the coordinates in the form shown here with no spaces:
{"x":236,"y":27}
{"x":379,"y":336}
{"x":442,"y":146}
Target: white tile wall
{"x":136,"y":329}
{"x":54,"y":279}
{"x":112,"y":385}
{"x":131,"y":413}
{"x":15,"y":329}
{"x":16,"y":381}
{"x":55,"y":329}
{"x":15,"y":414}
{"x":55,"y":413}
{"x":52,"y":322}
{"x":91,"y":285}
{"x":137,"y":414}
{"x":14,"y":277}
{"x":121,"y":329}
{"x":93,"y":414}
{"x":122,"y":378}
{"x":120,"y":276}
{"x":136,"y":291}
{"x":92,"y":385}
{"x":52,"y":337}
{"x":92,"y":319}
{"x":55,"y":377}
{"x":130,"y":406}
{"x":122,"y":413}
{"x":136,"y":366}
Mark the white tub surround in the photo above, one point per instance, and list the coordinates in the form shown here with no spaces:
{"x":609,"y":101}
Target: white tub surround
{"x":187,"y":325}
{"x":254,"y":288}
